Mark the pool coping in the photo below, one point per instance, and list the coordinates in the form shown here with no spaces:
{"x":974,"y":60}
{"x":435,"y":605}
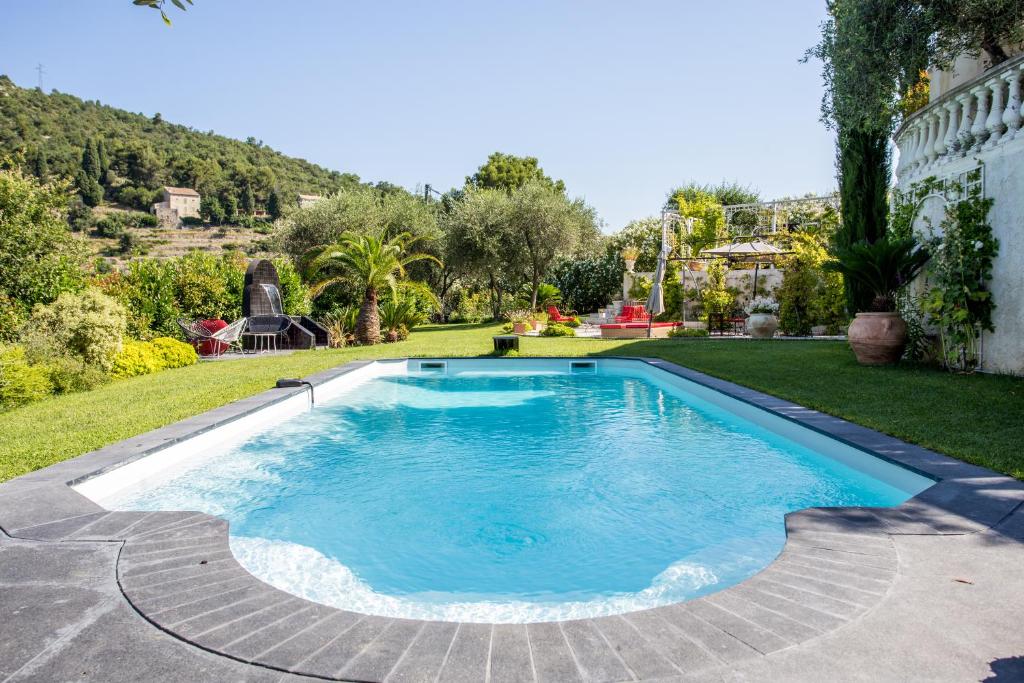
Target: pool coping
{"x":177,"y":571}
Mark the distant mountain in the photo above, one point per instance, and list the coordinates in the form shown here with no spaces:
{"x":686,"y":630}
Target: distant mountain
{"x":131,"y":156}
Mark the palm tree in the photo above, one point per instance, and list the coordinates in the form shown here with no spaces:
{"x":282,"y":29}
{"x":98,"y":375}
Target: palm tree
{"x":376,"y":262}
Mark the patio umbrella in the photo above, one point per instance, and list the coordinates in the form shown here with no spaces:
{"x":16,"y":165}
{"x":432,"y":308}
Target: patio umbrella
{"x":756,"y":251}
{"x":656,"y":299}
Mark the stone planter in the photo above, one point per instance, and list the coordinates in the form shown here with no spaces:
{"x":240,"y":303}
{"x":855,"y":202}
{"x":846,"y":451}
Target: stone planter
{"x":630,"y":264}
{"x":818,"y":331}
{"x":762,"y":325}
{"x":877,"y":338}
{"x":520,"y":328}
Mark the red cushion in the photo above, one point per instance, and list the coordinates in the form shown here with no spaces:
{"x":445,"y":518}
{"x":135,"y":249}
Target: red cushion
{"x":211,"y":347}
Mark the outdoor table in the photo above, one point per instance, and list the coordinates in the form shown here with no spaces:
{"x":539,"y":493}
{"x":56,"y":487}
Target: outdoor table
{"x":262,"y":342}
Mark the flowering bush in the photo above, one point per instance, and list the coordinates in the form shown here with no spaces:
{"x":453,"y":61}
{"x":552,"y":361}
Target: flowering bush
{"x":763,"y":304}
{"x":519,"y":315}
{"x":87,"y":326}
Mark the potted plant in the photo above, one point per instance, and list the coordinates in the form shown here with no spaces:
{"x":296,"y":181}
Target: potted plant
{"x":878,"y":336}
{"x":763,"y":320}
{"x":629,"y":255}
{"x":538,"y":319}
{"x":520,"y":321}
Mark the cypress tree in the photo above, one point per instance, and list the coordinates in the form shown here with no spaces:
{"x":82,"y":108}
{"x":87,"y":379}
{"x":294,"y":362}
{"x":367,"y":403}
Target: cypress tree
{"x":89,"y":188}
{"x":247,"y":200}
{"x":40,"y":164}
{"x":91,"y":160}
{"x":103,"y":156}
{"x":274,"y":205}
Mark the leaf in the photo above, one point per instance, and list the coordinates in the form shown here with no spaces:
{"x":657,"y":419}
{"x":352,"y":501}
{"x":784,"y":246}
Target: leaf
{"x":179,"y":5}
{"x":140,"y":3}
{"x":166,"y":19}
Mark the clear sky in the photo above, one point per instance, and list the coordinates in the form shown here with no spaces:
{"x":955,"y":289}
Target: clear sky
{"x":620,"y":99}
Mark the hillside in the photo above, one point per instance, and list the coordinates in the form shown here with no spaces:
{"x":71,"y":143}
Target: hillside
{"x":131,"y":156}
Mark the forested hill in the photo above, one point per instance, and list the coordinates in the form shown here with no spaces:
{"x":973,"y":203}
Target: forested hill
{"x":131,"y":156}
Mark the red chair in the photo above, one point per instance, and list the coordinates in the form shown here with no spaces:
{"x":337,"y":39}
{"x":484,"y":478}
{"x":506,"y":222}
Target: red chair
{"x":633,"y":314}
{"x":554,"y":316}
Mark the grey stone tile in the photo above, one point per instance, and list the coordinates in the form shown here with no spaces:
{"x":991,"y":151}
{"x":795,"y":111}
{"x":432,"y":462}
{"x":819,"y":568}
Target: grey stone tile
{"x":242,"y":606}
{"x":71,"y":563}
{"x":251,"y":646}
{"x":155,"y":604}
{"x":32,"y":506}
{"x":221,"y":573}
{"x":552,"y":658}
{"x":762,"y":640}
{"x":302,"y":645}
{"x":423,"y":660}
{"x":595,"y":659}
{"x":789,"y":630}
{"x":468,"y":655}
{"x":784,"y":586}
{"x":32,"y":619}
{"x":510,"y":654}
{"x":197,"y":572}
{"x":199,"y":527}
{"x":872,"y":565}
{"x":812,"y":582}
{"x":812,"y":618}
{"x":155,"y":521}
{"x":55,"y":531}
{"x":110,"y":527}
{"x":132,"y":568}
{"x":244,"y":626}
{"x":639,"y":654}
{"x":833,"y":574}
{"x":686,"y":654}
{"x":380,"y":655}
{"x":713,"y":639}
{"x":336,"y":654}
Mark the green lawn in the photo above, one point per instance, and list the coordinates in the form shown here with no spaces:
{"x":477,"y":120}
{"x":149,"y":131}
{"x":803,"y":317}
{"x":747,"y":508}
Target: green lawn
{"x":975,"y":418}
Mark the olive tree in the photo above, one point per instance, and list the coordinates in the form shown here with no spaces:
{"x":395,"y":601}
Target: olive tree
{"x":546,"y":225}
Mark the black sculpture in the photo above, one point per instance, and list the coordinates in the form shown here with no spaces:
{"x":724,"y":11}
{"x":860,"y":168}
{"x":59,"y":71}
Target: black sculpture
{"x":261,"y":305}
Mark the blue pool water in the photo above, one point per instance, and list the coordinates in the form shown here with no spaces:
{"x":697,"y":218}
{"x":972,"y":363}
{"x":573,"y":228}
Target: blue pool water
{"x":513,"y":498}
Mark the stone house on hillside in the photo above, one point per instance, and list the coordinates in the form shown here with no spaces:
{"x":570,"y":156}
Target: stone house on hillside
{"x":178,"y":203}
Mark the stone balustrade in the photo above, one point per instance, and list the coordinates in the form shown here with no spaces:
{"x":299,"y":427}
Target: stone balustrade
{"x":978,"y":116}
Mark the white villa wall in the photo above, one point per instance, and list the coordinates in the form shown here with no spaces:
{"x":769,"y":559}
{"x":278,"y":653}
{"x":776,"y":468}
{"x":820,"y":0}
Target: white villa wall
{"x":1003,"y":171}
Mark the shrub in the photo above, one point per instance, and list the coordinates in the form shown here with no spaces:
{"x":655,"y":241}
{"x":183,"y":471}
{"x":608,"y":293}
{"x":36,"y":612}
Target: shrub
{"x":71,"y":375}
{"x":471,"y":308}
{"x":87,"y":326}
{"x":192,"y":221}
{"x":557,"y":330}
{"x":144,"y":358}
{"x":39,"y":257}
{"x":109,"y":226}
{"x":688,"y":332}
{"x":20,"y":382}
{"x":174,"y":353}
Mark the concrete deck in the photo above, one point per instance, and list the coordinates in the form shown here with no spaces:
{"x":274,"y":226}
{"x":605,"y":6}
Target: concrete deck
{"x":930,"y":590}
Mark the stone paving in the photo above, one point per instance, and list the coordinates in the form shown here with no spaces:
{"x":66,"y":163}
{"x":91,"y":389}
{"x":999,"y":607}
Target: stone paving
{"x":930,"y":590}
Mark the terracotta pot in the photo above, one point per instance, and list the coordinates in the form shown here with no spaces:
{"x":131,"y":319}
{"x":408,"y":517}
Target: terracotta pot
{"x":536,"y":324}
{"x":762,"y":325}
{"x":519,"y":328}
{"x":877,"y":338}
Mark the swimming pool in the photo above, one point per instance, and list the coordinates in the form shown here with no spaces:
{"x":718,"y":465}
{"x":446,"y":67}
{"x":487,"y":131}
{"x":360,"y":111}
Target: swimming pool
{"x":506,"y":490}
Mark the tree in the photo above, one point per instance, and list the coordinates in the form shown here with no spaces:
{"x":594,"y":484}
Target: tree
{"x":41,"y":258}
{"x":509,"y":172}
{"x":376,"y":263}
{"x":872,"y":51}
{"x":88,"y":188}
{"x":968,"y":26}
{"x":708,"y":218}
{"x":91,"y":160}
{"x":643,"y":235}
{"x":247,"y":200}
{"x":211,"y":209}
{"x":158,"y":5}
{"x":725,"y":193}
{"x":274,"y":205}
{"x":480,"y":239}
{"x":590,"y":283}
{"x":359,"y":209}
{"x":546,"y":225}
